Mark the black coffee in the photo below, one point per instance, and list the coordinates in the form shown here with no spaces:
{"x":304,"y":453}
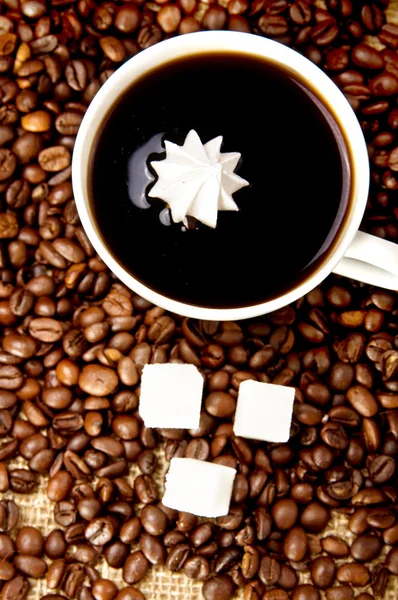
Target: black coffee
{"x":289,"y":215}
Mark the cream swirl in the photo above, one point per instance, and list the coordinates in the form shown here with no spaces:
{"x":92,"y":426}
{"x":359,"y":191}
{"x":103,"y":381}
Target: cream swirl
{"x":197,"y":179}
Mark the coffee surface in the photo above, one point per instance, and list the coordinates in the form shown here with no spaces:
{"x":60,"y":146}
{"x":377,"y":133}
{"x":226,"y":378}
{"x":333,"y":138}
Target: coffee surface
{"x":288,"y":216}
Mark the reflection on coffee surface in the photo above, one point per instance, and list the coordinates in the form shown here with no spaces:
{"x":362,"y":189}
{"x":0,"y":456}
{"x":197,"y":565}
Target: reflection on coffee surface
{"x":288,"y":215}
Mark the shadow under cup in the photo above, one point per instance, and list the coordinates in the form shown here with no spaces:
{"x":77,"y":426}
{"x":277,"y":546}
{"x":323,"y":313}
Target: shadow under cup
{"x":294,"y":154}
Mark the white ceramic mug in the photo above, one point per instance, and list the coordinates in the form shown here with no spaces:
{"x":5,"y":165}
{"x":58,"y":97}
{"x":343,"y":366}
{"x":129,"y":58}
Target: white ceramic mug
{"x":356,"y":254}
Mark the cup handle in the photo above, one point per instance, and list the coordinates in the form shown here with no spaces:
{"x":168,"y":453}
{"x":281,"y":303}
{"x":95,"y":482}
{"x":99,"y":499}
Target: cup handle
{"x":371,"y":260}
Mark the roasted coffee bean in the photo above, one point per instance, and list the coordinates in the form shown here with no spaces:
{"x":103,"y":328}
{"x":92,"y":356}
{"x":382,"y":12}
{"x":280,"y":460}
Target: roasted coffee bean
{"x":323,"y":571}
{"x":22,"y":481}
{"x":130,"y":593}
{"x":100,"y":531}
{"x":220,"y":404}
{"x":135,"y":567}
{"x":391,"y":561}
{"x":354,"y":574}
{"x":335,"y":546}
{"x":31,"y":566}
{"x":315,"y":517}
{"x":153,"y":520}
{"x":340,"y":592}
{"x":295,"y":544}
{"x":306,"y":592}
{"x":116,"y":554}
{"x":59,"y":486}
{"x":197,"y":567}
{"x":153,"y":549}
{"x":220,"y":587}
{"x":285,"y":513}
{"x":366,"y":547}
{"x":273,"y":594}
{"x":55,"y":545}
{"x":7,"y":548}
{"x":381,"y":468}
{"x":73,"y":579}
{"x":145,"y":488}
{"x":362,"y":400}
{"x":15,"y":589}
{"x":97,"y":380}
{"x":269,"y":571}
{"x":29,"y":541}
{"x":104,"y":589}
{"x":7,"y":570}
{"x":130,"y":530}
{"x":177,"y":556}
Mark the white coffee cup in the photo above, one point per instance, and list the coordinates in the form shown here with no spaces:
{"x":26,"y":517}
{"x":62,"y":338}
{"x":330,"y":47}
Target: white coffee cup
{"x":356,"y":254}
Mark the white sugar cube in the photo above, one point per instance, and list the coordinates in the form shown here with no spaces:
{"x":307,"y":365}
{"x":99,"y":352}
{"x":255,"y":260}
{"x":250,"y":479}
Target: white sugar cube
{"x":200,"y":488}
{"x":264,"y":411}
{"x":171,"y":396}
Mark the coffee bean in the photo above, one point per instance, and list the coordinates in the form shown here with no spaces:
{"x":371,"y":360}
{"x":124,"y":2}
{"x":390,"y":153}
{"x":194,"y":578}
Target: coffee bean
{"x":100,"y":531}
{"x":381,"y":468}
{"x":7,"y":570}
{"x":135,"y":567}
{"x":73,"y":579}
{"x":197,"y":567}
{"x":177,"y":556}
{"x":314,"y":517}
{"x":130,"y":593}
{"x":269,"y":571}
{"x":55,"y":573}
{"x":7,"y":548}
{"x":15,"y":589}
{"x":153,"y":549}
{"x":335,"y":546}
{"x":366,"y":57}
{"x":145,"y":489}
{"x":45,"y":329}
{"x":341,"y":592}
{"x":285,"y":513}
{"x":323,"y":572}
{"x":22,"y":481}
{"x":354,"y":574}
{"x":29,"y":541}
{"x":153,"y":520}
{"x":371,"y":16}
{"x":362,"y":400}
{"x":59,"y":486}
{"x":31,"y":566}
{"x":366,"y":547}
{"x":8,"y":223}
{"x":392,"y":561}
{"x":54,"y":545}
{"x":273,"y":25}
{"x":169,"y":18}
{"x":273,"y":594}
{"x":130,"y":530}
{"x":55,"y":158}
{"x":295,"y":544}
{"x":214,"y":18}
{"x":8,"y":163}
{"x":104,"y":589}
{"x":128,"y":18}
{"x":385,"y":84}
{"x":116,"y":554}
{"x":220,"y":587}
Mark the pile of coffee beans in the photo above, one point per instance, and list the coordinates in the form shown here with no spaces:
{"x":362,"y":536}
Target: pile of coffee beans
{"x":74,"y":341}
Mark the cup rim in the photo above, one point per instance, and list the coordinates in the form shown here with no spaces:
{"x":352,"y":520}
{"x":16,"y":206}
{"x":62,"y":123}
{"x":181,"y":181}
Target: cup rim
{"x":217,"y":41}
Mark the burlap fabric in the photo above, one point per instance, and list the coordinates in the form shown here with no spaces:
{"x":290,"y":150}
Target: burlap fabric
{"x":161,"y":584}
